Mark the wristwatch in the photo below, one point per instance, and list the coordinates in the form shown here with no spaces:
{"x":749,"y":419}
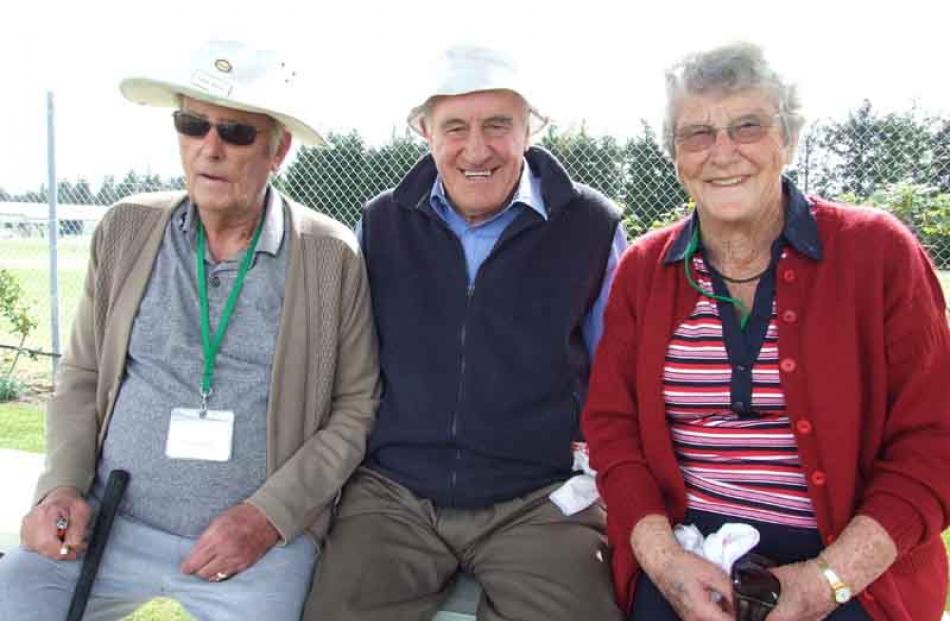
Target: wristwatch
{"x":839,"y":590}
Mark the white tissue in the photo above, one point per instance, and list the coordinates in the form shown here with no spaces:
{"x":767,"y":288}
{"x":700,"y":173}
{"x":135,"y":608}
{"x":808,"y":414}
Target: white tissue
{"x":722,"y":547}
{"x":580,"y":491}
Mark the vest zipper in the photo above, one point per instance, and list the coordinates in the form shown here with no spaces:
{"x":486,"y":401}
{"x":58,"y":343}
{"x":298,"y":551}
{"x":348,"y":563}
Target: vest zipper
{"x":453,"y":432}
{"x":463,"y":333}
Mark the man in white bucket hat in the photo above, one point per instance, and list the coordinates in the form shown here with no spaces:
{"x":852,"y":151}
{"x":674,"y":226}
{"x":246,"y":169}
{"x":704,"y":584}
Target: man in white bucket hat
{"x":488,"y":268}
{"x":224,"y":355}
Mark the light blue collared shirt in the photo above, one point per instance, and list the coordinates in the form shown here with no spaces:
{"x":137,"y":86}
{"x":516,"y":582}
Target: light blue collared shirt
{"x":479,"y":239}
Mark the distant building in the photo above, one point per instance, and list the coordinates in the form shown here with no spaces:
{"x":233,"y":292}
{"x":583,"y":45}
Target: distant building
{"x":32,"y":219}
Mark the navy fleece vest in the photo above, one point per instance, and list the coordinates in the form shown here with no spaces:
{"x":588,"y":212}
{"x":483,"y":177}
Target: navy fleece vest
{"x":483,"y":386}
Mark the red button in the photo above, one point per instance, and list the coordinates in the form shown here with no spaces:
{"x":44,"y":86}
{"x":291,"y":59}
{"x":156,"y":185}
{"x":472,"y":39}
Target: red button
{"x":787,"y":365}
{"x":788,"y":275}
{"x":789,"y":316}
{"x":803,"y":426}
{"x":818,"y":478}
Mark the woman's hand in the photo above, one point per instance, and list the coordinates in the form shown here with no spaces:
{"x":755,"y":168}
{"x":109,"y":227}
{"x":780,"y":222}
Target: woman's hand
{"x":861,"y":553}
{"x":696,"y":589}
{"x":806,"y":595}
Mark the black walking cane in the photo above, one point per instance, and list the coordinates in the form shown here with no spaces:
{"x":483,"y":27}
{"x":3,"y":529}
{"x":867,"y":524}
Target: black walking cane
{"x":115,"y":488}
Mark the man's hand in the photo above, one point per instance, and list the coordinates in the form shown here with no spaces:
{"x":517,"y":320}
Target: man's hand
{"x":806,"y":595}
{"x":232,"y":542}
{"x":39,"y":533}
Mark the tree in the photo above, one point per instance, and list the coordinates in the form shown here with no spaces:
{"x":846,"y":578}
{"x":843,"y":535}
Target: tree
{"x":388,"y":164}
{"x":595,"y":161}
{"x":330,"y":180}
{"x":340,"y":179}
{"x":650,"y":186}
{"x":940,"y":145}
{"x":867,"y":151}
{"x":79,"y":192}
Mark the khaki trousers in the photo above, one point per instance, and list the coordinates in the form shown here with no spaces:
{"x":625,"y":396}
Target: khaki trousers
{"x":391,"y":556}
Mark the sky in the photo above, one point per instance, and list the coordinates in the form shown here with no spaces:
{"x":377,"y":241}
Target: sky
{"x":596,"y":64}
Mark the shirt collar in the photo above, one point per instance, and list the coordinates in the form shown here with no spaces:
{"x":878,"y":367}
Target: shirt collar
{"x":272,"y":233}
{"x":801,"y":229}
{"x":527,"y":193}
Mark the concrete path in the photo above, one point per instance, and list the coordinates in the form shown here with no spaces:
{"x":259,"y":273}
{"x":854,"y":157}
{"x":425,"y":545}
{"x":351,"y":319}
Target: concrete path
{"x":19,"y":473}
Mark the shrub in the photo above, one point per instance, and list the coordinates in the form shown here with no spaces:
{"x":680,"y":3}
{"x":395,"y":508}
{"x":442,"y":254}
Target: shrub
{"x":10,"y":388}
{"x":17,"y":313}
{"x":924,"y":209}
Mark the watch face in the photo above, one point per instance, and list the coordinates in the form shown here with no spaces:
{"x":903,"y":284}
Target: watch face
{"x":842,"y":595}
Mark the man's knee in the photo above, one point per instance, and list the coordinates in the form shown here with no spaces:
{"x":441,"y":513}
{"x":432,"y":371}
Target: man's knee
{"x":35,"y":587}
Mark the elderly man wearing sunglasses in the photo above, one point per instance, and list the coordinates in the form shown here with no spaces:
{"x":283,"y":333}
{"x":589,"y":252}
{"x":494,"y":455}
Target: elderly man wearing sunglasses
{"x":224,"y":355}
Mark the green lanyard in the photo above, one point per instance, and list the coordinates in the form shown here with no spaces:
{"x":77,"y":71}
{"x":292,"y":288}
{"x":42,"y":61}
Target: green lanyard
{"x":211,"y":347}
{"x":744,"y":313}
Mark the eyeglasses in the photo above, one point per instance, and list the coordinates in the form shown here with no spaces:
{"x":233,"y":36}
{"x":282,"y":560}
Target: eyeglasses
{"x":755,"y":589}
{"x":240,"y":134}
{"x":744,"y":130}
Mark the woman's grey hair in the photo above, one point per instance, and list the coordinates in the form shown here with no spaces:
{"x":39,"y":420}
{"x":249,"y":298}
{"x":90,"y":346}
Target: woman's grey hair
{"x":726,"y":70}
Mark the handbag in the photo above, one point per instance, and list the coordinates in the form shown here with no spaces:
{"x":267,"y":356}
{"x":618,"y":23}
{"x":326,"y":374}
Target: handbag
{"x":755,"y":589}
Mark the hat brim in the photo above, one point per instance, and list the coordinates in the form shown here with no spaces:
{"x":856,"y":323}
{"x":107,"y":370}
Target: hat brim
{"x":149,"y":92}
{"x":536,"y":120}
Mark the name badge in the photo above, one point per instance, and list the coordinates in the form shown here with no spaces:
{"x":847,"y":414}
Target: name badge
{"x":193,"y":436}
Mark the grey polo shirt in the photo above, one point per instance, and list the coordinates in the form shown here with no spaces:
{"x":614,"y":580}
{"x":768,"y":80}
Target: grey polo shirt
{"x":163,"y":371}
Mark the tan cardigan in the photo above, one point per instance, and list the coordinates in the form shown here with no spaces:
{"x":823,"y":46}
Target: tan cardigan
{"x":324,"y":384}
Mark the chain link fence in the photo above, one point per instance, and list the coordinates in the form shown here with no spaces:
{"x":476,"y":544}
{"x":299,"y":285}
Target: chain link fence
{"x":899,"y":162}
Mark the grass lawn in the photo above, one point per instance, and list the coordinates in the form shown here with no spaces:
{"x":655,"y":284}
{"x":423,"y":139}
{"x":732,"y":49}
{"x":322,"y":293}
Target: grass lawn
{"x":28,"y":260}
{"x":21,"y":427}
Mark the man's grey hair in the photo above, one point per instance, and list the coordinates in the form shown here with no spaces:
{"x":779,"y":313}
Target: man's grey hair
{"x":726,"y":70}
{"x":277,"y":131}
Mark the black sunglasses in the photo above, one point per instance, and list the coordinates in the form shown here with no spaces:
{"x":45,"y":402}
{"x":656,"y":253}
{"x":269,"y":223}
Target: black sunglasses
{"x":188,"y":124}
{"x":755,"y":589}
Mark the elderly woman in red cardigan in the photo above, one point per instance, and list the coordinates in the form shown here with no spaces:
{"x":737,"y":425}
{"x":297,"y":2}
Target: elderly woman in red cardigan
{"x":774,"y":359}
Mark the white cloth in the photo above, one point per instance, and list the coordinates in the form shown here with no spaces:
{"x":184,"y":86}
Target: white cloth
{"x":580,"y":491}
{"x":722,"y":547}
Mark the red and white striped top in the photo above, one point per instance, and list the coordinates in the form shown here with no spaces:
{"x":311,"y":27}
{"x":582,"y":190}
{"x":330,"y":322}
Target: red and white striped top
{"x":745,"y":467}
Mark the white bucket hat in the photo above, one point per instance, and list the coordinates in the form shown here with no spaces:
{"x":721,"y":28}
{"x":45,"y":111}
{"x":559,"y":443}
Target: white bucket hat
{"x":469,"y":69}
{"x":233,"y":75}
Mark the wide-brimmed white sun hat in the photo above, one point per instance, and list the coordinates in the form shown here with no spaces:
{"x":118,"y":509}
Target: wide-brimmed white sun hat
{"x":468,"y":69}
{"x":233,"y":75}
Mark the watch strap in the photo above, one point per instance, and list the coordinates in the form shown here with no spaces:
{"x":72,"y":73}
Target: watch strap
{"x":840,"y":592}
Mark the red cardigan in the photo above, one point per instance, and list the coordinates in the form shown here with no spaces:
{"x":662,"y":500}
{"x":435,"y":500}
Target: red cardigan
{"x":864,"y":350}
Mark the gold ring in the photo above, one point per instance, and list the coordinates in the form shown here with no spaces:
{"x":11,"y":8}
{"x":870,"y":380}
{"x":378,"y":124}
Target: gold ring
{"x":220,"y":577}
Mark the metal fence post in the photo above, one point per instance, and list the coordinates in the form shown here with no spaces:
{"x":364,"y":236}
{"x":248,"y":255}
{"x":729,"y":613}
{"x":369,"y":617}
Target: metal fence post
{"x":53,"y":231}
